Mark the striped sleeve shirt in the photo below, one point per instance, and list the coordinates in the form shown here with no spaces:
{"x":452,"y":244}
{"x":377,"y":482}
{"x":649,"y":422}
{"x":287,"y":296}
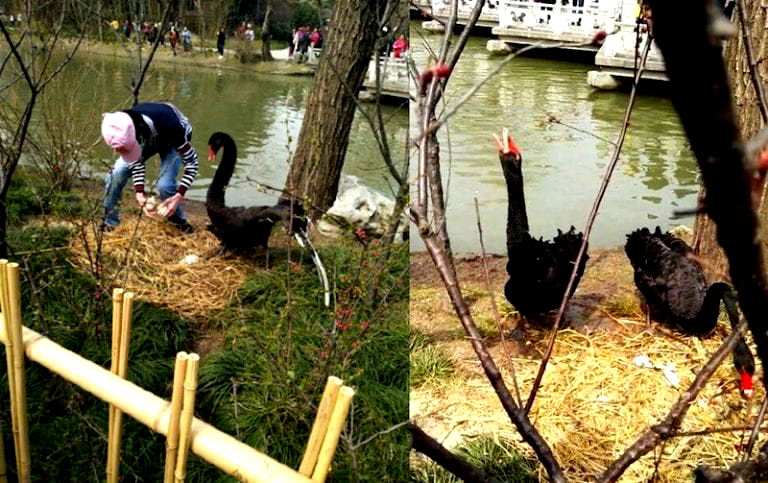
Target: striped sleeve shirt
{"x":170,"y":130}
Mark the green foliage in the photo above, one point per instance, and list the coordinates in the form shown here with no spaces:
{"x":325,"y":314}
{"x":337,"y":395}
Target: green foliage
{"x":428,"y":362}
{"x":500,"y":460}
{"x":26,"y":199}
{"x":275,"y":361}
{"x":68,"y":425}
{"x":262,"y":385}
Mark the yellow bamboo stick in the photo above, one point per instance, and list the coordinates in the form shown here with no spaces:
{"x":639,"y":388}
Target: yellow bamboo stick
{"x":172,"y":441}
{"x":335,"y":425}
{"x":320,"y":426}
{"x":14,"y":296}
{"x":187,"y":413}
{"x":117,"y":318}
{"x":9,"y":349}
{"x":122,"y":371}
{"x":216,"y":447}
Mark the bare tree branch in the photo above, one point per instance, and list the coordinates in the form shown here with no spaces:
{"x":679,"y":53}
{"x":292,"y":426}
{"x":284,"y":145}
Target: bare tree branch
{"x":425,"y":444}
{"x":666,"y":428}
{"x":590,"y":222}
{"x":494,"y":307}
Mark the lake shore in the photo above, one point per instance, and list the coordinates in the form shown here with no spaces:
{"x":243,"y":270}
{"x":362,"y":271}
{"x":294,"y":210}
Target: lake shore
{"x":208,"y":58}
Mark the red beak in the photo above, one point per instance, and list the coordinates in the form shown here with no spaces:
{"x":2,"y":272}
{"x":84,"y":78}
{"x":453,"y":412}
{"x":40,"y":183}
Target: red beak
{"x":746,"y":384}
{"x":211,"y":154}
{"x":506,"y":144}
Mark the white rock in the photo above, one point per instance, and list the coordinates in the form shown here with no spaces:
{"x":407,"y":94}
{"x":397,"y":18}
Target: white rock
{"x":433,"y":26}
{"x":497,"y":47}
{"x":602,"y":80}
{"x":359,"y":206}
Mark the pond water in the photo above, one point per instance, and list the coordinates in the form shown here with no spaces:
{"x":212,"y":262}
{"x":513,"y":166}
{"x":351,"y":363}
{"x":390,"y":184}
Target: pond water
{"x":263,"y":113}
{"x":563,"y":168}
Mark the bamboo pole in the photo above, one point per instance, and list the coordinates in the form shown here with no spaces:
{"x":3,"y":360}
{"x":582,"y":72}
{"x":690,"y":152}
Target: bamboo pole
{"x":335,"y":425}
{"x":214,"y":446}
{"x":320,"y":426}
{"x":14,"y":297}
{"x":9,"y":349}
{"x":126,"y":314}
{"x":172,"y":441}
{"x":117,"y":318}
{"x":187,"y":413}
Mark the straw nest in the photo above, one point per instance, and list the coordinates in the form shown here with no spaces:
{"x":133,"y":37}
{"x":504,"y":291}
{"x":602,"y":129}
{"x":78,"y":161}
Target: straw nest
{"x":181,"y":272}
{"x":595,"y":402}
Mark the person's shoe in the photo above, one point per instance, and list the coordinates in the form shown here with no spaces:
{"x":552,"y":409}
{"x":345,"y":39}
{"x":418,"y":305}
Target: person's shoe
{"x":107,"y":227}
{"x":184,"y":226}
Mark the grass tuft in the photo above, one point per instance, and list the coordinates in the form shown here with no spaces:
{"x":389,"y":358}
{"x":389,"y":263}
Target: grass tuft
{"x":499,"y":459}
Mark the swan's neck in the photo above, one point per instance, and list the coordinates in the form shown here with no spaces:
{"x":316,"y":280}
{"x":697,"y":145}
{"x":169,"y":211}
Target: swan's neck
{"x":517,"y":217}
{"x":710,"y":308}
{"x":223,"y":173}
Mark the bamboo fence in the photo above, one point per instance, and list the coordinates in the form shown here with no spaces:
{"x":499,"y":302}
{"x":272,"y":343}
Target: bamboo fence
{"x":172,"y":441}
{"x":174,"y":419}
{"x":10,"y":303}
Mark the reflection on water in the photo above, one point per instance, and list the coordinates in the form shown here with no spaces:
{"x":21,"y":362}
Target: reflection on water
{"x":563,"y":167}
{"x":262,"y":113}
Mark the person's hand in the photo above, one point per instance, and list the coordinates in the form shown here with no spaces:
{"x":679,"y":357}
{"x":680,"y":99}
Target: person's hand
{"x":168,"y":207}
{"x":141,"y":200}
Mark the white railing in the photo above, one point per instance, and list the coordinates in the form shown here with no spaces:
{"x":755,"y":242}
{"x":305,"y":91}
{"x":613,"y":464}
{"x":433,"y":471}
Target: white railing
{"x":578,"y":16}
{"x":490,"y":13}
{"x":393,"y":73}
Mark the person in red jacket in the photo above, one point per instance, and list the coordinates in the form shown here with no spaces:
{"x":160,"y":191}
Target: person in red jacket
{"x":400,"y":46}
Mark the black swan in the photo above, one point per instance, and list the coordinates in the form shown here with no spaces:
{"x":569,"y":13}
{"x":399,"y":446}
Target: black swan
{"x":675,"y":289}
{"x":242,"y":228}
{"x":538,"y":270}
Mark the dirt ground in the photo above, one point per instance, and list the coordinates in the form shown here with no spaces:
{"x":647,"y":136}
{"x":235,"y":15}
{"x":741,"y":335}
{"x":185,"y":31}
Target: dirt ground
{"x":594,"y":401}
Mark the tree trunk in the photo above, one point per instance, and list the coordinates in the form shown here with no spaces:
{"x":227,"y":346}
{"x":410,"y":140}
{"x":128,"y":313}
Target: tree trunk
{"x":316,"y":165}
{"x":266,"y":35}
{"x":99,"y":21}
{"x":745,"y":99}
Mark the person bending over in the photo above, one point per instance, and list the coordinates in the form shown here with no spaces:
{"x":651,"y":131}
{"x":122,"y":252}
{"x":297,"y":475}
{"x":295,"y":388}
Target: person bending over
{"x":138,"y":134}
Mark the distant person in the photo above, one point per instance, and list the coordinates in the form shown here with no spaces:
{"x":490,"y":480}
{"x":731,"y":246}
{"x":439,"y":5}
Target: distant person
{"x":115,"y":25}
{"x":292,"y":43}
{"x":240,"y":32}
{"x":144,"y":32}
{"x":249,"y":34}
{"x":173,"y":38}
{"x":295,"y":41}
{"x":220,"y":39}
{"x":127,"y":28}
{"x":399,"y":46}
{"x":317,"y":39}
{"x":186,"y":40}
{"x":304,"y":41}
{"x":136,"y":135}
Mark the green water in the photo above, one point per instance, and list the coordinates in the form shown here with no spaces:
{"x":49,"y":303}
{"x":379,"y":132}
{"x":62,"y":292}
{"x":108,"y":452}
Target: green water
{"x":563,"y":168}
{"x":263,"y":113}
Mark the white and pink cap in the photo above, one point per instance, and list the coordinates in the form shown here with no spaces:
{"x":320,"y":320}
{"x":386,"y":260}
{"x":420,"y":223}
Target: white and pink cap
{"x":119,"y":133}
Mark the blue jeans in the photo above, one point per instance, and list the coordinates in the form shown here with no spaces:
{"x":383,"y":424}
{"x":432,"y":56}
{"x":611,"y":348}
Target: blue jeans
{"x":114,"y":182}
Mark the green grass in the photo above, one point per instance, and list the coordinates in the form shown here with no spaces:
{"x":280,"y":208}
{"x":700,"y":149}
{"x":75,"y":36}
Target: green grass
{"x":262,"y":385}
{"x":500,"y":460}
{"x":429,"y":363}
{"x":277,"y":361}
{"x":68,"y":425}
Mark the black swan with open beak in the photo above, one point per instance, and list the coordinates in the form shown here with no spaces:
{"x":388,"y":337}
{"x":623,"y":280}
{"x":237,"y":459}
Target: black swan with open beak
{"x":538,"y":270}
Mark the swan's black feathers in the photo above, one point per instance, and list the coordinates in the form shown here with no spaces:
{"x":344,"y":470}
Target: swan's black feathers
{"x":240,"y":227}
{"x":671,"y":281}
{"x":538,"y":269}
